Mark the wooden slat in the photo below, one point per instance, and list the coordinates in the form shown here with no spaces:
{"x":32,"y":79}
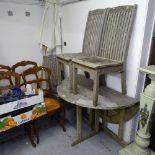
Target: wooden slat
{"x":94,"y":26}
{"x":115,"y":38}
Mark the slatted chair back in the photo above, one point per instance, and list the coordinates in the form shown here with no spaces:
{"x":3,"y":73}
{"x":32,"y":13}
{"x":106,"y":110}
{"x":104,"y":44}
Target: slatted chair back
{"x":41,"y":81}
{"x":21,"y":66}
{"x":115,"y":37}
{"x":95,"y":23}
{"x":5,"y":78}
{"x":5,"y":69}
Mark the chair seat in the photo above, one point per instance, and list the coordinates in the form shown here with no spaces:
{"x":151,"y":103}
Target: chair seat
{"x":96,"y":62}
{"x":70,"y":56}
{"x":52,"y":104}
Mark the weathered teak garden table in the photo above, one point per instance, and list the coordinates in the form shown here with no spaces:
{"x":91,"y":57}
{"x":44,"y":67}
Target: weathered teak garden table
{"x":108,"y":100}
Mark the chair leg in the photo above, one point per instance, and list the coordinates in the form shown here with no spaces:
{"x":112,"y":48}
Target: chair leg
{"x":102,"y":80}
{"x":95,"y":88}
{"x":30,"y":133}
{"x":91,"y":118}
{"x":123,"y":82}
{"x":36,"y":131}
{"x":61,"y":118}
{"x":87,"y":75}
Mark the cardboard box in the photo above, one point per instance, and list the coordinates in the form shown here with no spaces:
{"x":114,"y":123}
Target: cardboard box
{"x":25,"y":102}
{"x":11,"y":121}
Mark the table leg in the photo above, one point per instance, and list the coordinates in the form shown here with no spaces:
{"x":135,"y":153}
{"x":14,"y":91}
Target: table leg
{"x":96,"y":121}
{"x":91,"y":118}
{"x":79,"y":121}
{"x":104,"y":123}
{"x":79,"y":137}
{"x":121,"y":125}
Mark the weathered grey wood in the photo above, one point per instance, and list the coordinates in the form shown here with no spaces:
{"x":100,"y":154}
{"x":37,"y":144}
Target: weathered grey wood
{"x":65,"y":58}
{"x":96,"y":62}
{"x":115,"y":37}
{"x":96,"y":121}
{"x":58,"y":72}
{"x":79,"y":136}
{"x":79,"y":121}
{"x":79,"y":140}
{"x":50,"y":61}
{"x":70,"y":77}
{"x":102,"y":80}
{"x":104,"y":122}
{"x":108,"y":99}
{"x":113,"y":116}
{"x":121,"y":125}
{"x":91,"y":117}
{"x":114,"y":136}
{"x":94,"y":26}
{"x":74,"y":79}
{"x":95,"y":23}
{"x":123,"y":82}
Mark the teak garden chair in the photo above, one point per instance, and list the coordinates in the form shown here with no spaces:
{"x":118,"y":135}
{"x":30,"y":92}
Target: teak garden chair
{"x":95,"y":23}
{"x":113,"y":48}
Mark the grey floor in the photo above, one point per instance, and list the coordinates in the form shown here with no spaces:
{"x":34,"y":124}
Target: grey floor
{"x":53,"y":141}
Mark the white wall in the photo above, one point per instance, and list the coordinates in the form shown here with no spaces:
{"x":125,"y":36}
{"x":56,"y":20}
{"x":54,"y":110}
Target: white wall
{"x":74,"y":20}
{"x":19,"y":34}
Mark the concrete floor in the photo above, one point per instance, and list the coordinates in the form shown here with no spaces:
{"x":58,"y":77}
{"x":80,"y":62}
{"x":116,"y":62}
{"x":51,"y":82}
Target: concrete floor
{"x":53,"y":141}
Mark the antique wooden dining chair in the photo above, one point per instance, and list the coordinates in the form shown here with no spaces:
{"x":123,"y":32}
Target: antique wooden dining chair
{"x":94,"y":25}
{"x":8,"y":80}
{"x":5,"y":69}
{"x":113,"y":48}
{"x":21,"y":66}
{"x":6,"y":85}
{"x":53,"y":106}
